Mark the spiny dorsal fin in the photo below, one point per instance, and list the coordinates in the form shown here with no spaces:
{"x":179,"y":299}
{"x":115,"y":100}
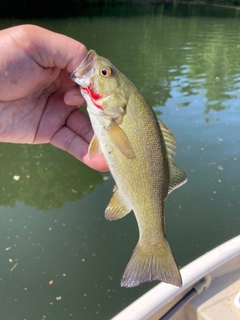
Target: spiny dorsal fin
{"x":169,"y":140}
{"x":117,"y":207}
{"x":176,"y":175}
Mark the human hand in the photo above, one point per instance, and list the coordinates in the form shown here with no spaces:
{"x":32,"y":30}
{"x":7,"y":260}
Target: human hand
{"x":38,"y":101}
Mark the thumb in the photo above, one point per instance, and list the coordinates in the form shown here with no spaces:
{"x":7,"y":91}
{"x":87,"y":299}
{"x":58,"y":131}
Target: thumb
{"x":50,"y":49}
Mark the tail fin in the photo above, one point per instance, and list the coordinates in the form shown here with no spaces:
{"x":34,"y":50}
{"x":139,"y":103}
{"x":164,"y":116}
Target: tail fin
{"x":151,"y":263}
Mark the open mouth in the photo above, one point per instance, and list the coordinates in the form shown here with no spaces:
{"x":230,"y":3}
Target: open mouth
{"x":85,"y":67}
{"x":82,"y":73}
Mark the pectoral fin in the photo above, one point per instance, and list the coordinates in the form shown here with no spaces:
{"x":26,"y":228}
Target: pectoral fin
{"x":120,"y":140}
{"x":94,"y":148}
{"x":117,"y":207}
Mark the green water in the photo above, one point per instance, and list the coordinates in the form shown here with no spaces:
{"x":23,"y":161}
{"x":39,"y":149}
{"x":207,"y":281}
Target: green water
{"x":186,"y":61}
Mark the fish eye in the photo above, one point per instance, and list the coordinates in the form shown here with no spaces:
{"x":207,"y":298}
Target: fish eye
{"x":106,"y":72}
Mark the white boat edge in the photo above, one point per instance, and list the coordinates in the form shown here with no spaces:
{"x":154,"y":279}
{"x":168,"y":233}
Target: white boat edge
{"x":148,"y":305}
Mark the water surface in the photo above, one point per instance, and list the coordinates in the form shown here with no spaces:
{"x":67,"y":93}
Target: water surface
{"x":60,"y":259}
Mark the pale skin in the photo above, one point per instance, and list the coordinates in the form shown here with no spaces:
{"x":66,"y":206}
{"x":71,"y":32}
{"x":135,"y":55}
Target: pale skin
{"x":38,"y":101}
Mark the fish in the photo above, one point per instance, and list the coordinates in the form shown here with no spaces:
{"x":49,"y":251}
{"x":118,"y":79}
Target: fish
{"x":138,"y":149}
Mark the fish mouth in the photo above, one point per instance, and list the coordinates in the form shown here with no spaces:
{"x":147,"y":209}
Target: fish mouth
{"x":85,"y":68}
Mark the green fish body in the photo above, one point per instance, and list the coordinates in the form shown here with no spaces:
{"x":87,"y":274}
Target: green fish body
{"x":139,"y":150}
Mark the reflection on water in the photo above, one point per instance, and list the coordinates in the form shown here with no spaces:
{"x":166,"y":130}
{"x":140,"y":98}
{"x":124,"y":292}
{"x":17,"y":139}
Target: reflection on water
{"x":42,"y":177}
{"x":60,"y":259}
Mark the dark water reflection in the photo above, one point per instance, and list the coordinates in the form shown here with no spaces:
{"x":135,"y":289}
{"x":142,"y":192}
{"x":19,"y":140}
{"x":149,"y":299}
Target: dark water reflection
{"x":43,"y":177}
{"x":186,"y":61}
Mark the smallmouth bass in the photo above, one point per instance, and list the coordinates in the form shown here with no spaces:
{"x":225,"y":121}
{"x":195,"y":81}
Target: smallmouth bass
{"x":139,"y":150}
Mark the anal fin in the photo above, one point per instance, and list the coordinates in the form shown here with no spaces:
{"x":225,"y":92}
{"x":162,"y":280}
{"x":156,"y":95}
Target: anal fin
{"x":117,"y":207}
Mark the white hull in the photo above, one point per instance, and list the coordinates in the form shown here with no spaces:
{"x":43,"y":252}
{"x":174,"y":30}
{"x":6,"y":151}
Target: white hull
{"x":220,"y":271}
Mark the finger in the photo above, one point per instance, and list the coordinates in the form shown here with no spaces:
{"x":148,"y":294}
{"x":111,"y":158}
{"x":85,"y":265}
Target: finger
{"x":97,"y":163}
{"x":52,"y":49}
{"x":57,"y":115}
{"x":69,"y":141}
{"x":79,"y":123}
{"x":73,"y":97}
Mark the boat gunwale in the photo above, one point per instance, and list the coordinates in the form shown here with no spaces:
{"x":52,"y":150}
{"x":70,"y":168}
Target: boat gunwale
{"x":162,"y":294}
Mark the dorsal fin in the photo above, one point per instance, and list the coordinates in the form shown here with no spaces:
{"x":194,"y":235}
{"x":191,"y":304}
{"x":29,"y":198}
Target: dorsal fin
{"x":177,"y":177}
